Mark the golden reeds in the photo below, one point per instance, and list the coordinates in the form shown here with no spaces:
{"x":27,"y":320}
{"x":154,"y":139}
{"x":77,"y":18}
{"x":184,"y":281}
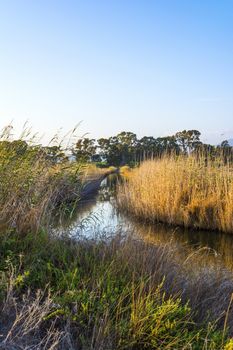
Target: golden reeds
{"x":187,"y":191}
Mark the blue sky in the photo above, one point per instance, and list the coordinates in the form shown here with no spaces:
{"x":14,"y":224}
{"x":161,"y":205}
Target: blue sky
{"x":149,"y":66}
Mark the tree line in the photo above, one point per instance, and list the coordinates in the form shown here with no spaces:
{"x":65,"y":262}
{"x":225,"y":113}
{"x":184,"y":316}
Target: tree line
{"x":126,"y":148}
{"x":123,"y":148}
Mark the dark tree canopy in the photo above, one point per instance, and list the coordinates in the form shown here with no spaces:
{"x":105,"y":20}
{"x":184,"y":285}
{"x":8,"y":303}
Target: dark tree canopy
{"x":126,"y":148}
{"x":123,"y":148}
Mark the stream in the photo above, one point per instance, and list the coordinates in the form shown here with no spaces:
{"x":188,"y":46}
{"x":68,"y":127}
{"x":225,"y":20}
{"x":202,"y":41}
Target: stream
{"x":99,"y":215}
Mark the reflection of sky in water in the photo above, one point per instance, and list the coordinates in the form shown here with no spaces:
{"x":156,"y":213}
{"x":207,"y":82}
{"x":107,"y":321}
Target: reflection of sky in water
{"x":99,"y":217}
{"x":102,"y":218}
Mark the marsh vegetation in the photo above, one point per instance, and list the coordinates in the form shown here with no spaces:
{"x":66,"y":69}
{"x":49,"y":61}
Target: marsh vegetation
{"x":114,"y":290}
{"x":190,"y":191}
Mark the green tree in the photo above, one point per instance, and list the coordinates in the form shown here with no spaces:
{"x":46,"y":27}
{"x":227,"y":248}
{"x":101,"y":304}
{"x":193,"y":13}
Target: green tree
{"x":84,"y":149}
{"x":127,"y":142}
{"x":188,"y":140}
{"x":109,"y":150}
{"x":54,"y":154}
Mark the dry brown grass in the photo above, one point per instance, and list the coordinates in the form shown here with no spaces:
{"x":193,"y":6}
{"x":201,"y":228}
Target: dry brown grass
{"x":32,"y":187}
{"x":182,"y":191}
{"x":125,"y":171}
{"x":24,"y":325}
{"x":30,"y":191}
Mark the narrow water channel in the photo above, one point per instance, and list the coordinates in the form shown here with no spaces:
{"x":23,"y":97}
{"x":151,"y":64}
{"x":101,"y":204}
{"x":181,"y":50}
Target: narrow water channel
{"x":99,"y":215}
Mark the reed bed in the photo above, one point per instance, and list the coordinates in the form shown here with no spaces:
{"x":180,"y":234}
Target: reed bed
{"x":31,"y":188}
{"x":186,"y":191}
{"x":34,"y":188}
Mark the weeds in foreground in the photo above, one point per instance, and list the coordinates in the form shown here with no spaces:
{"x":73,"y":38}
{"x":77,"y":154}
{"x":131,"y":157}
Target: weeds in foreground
{"x":118,"y":293}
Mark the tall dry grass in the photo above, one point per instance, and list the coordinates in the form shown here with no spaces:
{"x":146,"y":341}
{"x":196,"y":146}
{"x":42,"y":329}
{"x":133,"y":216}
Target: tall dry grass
{"x":31,"y":188}
{"x":182,"y":191}
{"x":34,"y":187}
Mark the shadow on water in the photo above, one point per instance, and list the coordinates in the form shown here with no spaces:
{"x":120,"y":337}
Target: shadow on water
{"x":100,"y":215}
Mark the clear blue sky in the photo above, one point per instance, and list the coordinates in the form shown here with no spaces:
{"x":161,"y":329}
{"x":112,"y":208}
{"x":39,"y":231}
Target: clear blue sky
{"x":149,"y":66}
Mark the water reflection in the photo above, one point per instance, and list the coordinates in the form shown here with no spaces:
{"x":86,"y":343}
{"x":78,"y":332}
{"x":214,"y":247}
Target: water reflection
{"x":100,"y":215}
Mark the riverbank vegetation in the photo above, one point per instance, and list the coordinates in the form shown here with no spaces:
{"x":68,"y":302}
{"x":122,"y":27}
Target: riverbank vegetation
{"x":189,"y":191}
{"x":39,"y":182}
{"x":115,"y":293}
{"x":111,"y":292}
